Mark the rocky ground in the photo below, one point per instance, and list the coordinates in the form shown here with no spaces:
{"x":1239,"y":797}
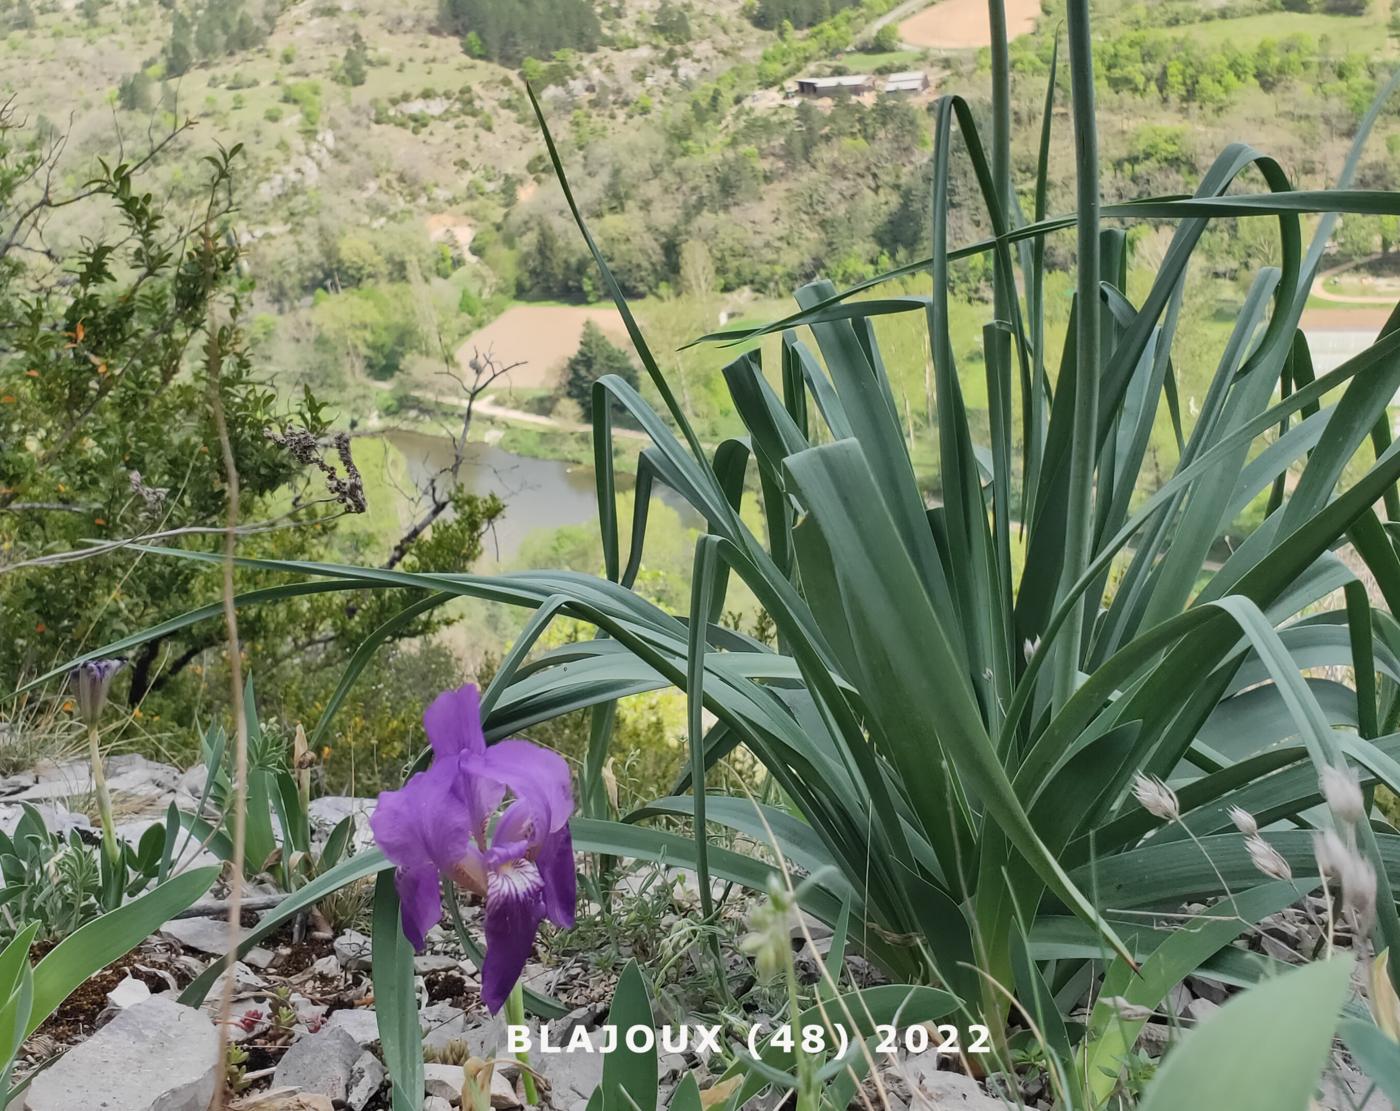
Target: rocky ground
{"x":303,"y":1021}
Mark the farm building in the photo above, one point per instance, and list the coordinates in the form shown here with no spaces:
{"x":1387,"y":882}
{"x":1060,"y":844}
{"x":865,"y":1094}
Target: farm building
{"x":914,"y":81}
{"x":855,"y":84}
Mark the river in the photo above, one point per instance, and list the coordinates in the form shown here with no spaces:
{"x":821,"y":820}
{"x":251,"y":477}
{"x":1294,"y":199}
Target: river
{"x":539,"y":494}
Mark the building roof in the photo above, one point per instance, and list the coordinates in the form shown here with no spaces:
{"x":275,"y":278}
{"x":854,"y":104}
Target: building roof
{"x":845,"y":81}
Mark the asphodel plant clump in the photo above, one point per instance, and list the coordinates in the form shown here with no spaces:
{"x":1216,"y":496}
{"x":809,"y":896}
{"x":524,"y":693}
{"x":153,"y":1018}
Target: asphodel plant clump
{"x":955,"y":744}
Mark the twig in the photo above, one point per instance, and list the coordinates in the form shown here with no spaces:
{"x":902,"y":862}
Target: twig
{"x":240,"y":719}
{"x":209,"y":909}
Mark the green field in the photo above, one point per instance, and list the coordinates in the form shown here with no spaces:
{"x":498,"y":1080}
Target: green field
{"x":1344,"y":33}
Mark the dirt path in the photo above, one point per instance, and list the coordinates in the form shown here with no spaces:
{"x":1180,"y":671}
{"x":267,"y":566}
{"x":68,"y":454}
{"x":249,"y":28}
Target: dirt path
{"x":1323,"y":294}
{"x":963,"y":24}
{"x":894,"y":15}
{"x":488,"y":408}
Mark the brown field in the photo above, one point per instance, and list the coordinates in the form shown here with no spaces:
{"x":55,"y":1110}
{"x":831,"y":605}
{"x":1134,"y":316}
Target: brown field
{"x":963,"y":24}
{"x":541,"y":336}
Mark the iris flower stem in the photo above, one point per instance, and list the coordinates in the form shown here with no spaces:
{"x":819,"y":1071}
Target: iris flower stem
{"x":515,"y":1015}
{"x":104,"y":798}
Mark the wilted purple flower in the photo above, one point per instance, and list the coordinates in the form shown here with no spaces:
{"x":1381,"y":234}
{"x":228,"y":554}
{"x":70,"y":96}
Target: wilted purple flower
{"x":437,"y":825}
{"x":91,"y":681}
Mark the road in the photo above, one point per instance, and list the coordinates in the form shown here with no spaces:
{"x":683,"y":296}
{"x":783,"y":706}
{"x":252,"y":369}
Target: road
{"x":897,"y":14}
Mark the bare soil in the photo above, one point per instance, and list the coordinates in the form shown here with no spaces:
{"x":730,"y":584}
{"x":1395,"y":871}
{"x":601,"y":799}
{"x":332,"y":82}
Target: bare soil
{"x":543,"y":336}
{"x":1344,"y":320}
{"x":963,"y":24}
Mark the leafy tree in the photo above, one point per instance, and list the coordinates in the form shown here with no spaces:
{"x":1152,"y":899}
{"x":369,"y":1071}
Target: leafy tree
{"x":773,"y":14}
{"x":885,"y":40}
{"x":179,"y":51}
{"x":116,"y":352}
{"x":112,"y":352}
{"x":135,"y":92}
{"x":595,"y":357}
{"x":373,"y":326}
{"x":672,"y":23}
{"x":354,"y":67}
{"x":511,"y":32}
{"x":549,"y":266}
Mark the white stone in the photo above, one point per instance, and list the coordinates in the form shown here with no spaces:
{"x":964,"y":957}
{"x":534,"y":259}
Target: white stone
{"x":444,"y":1081}
{"x":435,"y":962}
{"x":441,"y":1023}
{"x":326,"y":966}
{"x":1198,"y":1010}
{"x":188,"y":854}
{"x":502,"y":1094}
{"x":328,"y":811}
{"x":320,"y":1063}
{"x":366,"y":1075}
{"x":56,"y":818}
{"x":158,"y":1055}
{"x":947,"y":1091}
{"x":128,"y":993}
{"x":359,"y":1022}
{"x":204,"y":935}
{"x":436,"y":1103}
{"x":353,"y":950}
{"x":573,"y":1077}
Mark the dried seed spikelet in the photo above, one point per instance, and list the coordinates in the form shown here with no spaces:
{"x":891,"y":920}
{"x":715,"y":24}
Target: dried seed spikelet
{"x":1339,"y":861}
{"x":1343,"y":794}
{"x":1156,"y":797}
{"x":1127,"y":1010}
{"x":1359,"y":892}
{"x":1331,"y":853}
{"x":1244,"y":821}
{"x":1267,"y":859}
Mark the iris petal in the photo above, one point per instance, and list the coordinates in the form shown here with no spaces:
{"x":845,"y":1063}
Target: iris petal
{"x":453,"y":722}
{"x":420,"y":900}
{"x":426,"y":821}
{"x":514,"y":911}
{"x":556,"y":865}
{"x":535,"y":775}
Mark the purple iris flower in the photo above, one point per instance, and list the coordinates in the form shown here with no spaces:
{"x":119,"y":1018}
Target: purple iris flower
{"x":438,"y":824}
{"x":91,"y":681}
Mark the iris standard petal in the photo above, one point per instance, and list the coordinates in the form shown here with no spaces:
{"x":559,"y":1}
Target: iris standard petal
{"x":427,"y":821}
{"x":420,"y":901}
{"x":535,"y":775}
{"x":453,"y":723}
{"x":556,"y":864}
{"x":523,"y":822}
{"x":514,"y":911}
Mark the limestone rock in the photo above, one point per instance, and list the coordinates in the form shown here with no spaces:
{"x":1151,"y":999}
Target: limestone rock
{"x":204,"y":935}
{"x":366,"y":1075}
{"x":320,"y":1062}
{"x":352,"y":950}
{"x":950,"y":1091}
{"x":128,"y":993}
{"x":158,"y":1055}
{"x":444,"y":1081}
{"x":502,"y":1094}
{"x":360,"y":1023}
